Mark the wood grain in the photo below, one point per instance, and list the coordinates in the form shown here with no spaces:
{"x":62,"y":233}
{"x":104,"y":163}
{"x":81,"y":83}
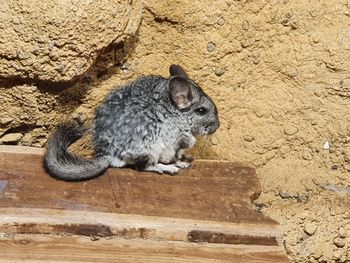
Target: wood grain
{"x":209,"y":190}
{"x":218,"y":191}
{"x":36,"y":248}
{"x":52,"y":221}
{"x":26,"y":184}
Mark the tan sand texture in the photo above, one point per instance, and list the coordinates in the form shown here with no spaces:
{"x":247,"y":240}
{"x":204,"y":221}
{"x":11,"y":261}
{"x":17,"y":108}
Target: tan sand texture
{"x":279,"y":72}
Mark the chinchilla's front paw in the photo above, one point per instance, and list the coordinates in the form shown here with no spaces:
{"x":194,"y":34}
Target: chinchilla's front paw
{"x":182,"y":165}
{"x":163,"y":168}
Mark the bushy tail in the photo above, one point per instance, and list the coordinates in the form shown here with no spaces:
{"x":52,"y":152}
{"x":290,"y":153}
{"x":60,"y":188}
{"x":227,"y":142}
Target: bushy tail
{"x":62,"y":164}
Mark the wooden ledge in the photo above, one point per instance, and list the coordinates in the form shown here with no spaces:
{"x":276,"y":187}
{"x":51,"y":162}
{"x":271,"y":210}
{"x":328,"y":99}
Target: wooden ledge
{"x":208,"y":206}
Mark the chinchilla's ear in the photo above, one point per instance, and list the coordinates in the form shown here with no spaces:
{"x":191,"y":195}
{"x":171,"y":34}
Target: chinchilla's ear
{"x":177,"y":70}
{"x":180,"y":92}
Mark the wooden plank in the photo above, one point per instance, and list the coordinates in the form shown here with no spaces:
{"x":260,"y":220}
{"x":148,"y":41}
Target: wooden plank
{"x":37,"y":248}
{"x":206,"y":205}
{"x":48,"y":221}
{"x":24,"y":183}
{"x":218,"y":191}
{"x":209,"y":191}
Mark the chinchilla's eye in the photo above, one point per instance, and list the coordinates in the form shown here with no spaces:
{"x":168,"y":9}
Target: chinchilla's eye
{"x":201,"y":111}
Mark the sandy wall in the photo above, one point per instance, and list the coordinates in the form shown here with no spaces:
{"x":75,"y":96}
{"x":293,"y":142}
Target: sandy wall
{"x":279,"y":72}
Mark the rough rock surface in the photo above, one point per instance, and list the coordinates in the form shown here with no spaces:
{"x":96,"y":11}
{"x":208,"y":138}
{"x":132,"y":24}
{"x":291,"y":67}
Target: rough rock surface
{"x":58,"y":41}
{"x":279,"y":72}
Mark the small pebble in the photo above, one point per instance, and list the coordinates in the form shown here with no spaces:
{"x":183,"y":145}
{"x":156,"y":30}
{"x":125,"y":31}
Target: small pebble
{"x":33,"y":88}
{"x":290,"y":130}
{"x":342,"y":232}
{"x":6,"y":120}
{"x":214,"y":140}
{"x":126,"y":67}
{"x":285,"y":22}
{"x":289,"y":15}
{"x":334,"y":167}
{"x":11,"y":137}
{"x":219,"y":72}
{"x":327,"y":145}
{"x":285,"y":195}
{"x":245,"y":25}
{"x":307,"y":155}
{"x":335,"y":188}
{"x":292,"y":72}
{"x":339,"y":242}
{"x":310,"y":228}
{"x":221,"y":21}
{"x":248,"y":138}
{"x":211,"y":46}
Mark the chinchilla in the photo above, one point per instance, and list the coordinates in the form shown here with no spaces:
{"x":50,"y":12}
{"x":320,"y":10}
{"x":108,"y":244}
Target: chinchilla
{"x":146,"y":124}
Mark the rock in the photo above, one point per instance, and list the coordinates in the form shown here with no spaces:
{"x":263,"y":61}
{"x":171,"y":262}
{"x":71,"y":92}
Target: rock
{"x":219,"y":72}
{"x":211,"y":46}
{"x":11,"y":137}
{"x":248,"y":138}
{"x":290,"y":130}
{"x":59,"y":55}
{"x":292,"y":72}
{"x":245,"y":25}
{"x":334,"y":167}
{"x":6,"y":120}
{"x":327,"y":145}
{"x":285,"y":22}
{"x":288,"y":14}
{"x":307,"y":155}
{"x":336,"y":188}
{"x":214,"y":140}
{"x":286,"y":195}
{"x":126,"y":67}
{"x":221,"y":21}
{"x":310,"y":228}
{"x":342,"y":232}
{"x":339,"y":242}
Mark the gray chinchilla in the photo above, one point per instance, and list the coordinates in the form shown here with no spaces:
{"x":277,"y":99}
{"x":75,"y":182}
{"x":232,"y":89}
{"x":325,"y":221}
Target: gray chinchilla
{"x":146,"y":124}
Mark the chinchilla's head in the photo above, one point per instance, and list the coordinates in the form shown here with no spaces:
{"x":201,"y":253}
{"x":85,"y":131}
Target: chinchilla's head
{"x":197,"y":107}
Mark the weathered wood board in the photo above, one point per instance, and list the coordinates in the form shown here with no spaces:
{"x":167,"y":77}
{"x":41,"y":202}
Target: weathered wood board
{"x":204,"y":214}
{"x":44,"y":248}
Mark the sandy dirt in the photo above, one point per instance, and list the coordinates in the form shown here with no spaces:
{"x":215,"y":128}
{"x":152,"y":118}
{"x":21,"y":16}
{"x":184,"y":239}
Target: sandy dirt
{"x":279,"y":72}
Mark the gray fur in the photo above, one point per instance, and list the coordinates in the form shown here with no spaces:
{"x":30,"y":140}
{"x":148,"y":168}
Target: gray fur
{"x":146,"y":125}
